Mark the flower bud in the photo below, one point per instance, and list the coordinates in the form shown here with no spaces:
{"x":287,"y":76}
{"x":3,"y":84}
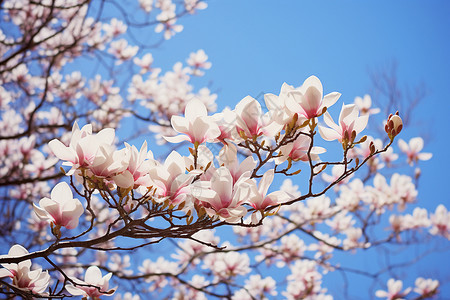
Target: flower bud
{"x":393,"y":125}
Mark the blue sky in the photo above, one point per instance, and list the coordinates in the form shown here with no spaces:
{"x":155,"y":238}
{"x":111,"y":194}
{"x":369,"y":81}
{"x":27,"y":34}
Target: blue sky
{"x":255,"y":46}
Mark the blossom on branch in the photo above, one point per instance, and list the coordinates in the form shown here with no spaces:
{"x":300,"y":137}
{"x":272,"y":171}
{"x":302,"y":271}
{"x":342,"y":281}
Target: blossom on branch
{"x":394,"y":291}
{"x":250,"y":121}
{"x":221,"y":198}
{"x":350,"y":124}
{"x":197,"y":126}
{"x":61,"y":209}
{"x":308,"y":100}
{"x":83,"y":148}
{"x":21,"y":274}
{"x":94,"y":285}
{"x":412,"y":150}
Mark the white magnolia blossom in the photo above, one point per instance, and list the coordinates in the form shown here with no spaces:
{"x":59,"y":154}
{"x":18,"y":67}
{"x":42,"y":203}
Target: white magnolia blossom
{"x":94,"y":284}
{"x":61,"y":208}
{"x":22,"y":276}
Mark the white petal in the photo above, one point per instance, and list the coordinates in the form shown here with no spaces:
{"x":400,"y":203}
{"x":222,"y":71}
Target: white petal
{"x":330,"y":99}
{"x":328,"y":134}
{"x":62,"y":152}
{"x":177,"y":139}
{"x":194,"y":109}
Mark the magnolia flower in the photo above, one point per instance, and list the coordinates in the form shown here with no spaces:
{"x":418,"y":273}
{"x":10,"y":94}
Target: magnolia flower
{"x":61,"y":208}
{"x":364,"y":105}
{"x":277,"y":105}
{"x":138,"y":164}
{"x":298,"y":150}
{"x":221,"y":198}
{"x":169,"y":27}
{"x":145,"y":62}
{"x":260,"y":199}
{"x":83,"y":147}
{"x":198,"y":60}
{"x":350,"y":124}
{"x":197,"y":125}
{"x":394,"y":291}
{"x":251,"y":123}
{"x":440,"y":222}
{"x":94,"y":285}
{"x":122,"y":51}
{"x":307,"y":100}
{"x":228,"y":158}
{"x":426,"y":287}
{"x":412,"y":150}
{"x":22,"y":276}
{"x":256,"y":286}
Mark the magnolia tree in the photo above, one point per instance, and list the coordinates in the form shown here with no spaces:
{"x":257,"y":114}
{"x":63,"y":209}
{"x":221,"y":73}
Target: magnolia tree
{"x":259,"y":201}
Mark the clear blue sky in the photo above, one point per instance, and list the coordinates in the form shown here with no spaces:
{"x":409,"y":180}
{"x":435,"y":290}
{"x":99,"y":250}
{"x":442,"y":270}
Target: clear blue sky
{"x":257,"y":45}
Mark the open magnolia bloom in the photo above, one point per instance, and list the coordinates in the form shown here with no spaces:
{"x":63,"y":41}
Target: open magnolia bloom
{"x":221,"y":198}
{"x":259,"y":199}
{"x":61,"y":208}
{"x":412,"y":150}
{"x":307,"y":100}
{"x":250,"y":121}
{"x":83,"y":148}
{"x":394,"y":290}
{"x":138,"y":164}
{"x":298,"y":150}
{"x":350,"y":124}
{"x":277,"y":105}
{"x":196,"y":125}
{"x":21,"y":274}
{"x":94,"y":285}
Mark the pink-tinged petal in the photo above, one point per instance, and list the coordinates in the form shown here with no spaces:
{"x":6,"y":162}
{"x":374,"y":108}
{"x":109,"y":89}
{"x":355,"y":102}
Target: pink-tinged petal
{"x":293,"y":102}
{"x":348,"y":114}
{"x":249,"y":111}
{"x":273,"y":102}
{"x":403,"y":145}
{"x":329,"y":121}
{"x":63,"y":152}
{"x":277,"y":197}
{"x":424,"y":156}
{"x":180,"y":124}
{"x":61,"y":193}
{"x":311,"y":101}
{"x":5,"y":273}
{"x":272,"y":129}
{"x":74,"y":291}
{"x":177,"y":138}
{"x":200,"y":128}
{"x":416,"y":144}
{"x":93,"y":275}
{"x":312,"y":81}
{"x":106,"y":136}
{"x":41,"y":213}
{"x":71,"y":223}
{"x":285,"y":89}
{"x":194,"y":109}
{"x":201,"y":191}
{"x":124,"y":179}
{"x":223,"y":186}
{"x":265,"y":182}
{"x":330,"y":99}
{"x":174,"y":164}
{"x":18,"y":250}
{"x":361,"y":123}
{"x":328,"y":134}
